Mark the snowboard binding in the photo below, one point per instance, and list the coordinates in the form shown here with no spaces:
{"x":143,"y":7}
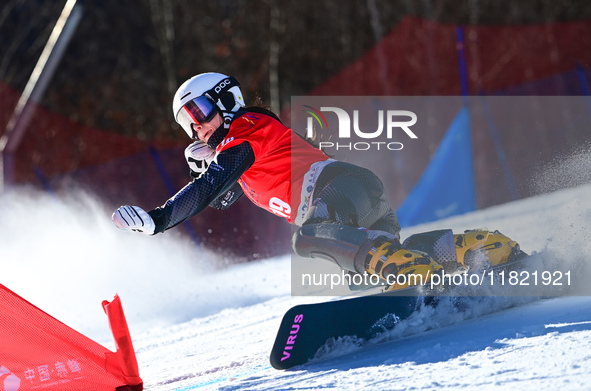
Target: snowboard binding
{"x":481,"y":249}
{"x":420,"y":255}
{"x":400,"y":266}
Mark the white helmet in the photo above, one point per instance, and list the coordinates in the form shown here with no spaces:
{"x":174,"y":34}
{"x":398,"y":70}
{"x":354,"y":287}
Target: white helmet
{"x":199,"y":95}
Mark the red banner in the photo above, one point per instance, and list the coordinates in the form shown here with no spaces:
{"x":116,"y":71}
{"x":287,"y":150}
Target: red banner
{"x":38,"y":352}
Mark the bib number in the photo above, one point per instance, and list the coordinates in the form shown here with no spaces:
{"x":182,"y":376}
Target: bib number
{"x":279,"y":207}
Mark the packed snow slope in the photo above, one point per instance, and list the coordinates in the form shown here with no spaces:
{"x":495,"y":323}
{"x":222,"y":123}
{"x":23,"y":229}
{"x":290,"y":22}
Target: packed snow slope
{"x":198,"y":326}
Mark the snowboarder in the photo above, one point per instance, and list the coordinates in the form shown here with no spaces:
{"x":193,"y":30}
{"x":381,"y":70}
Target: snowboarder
{"x":342,"y":209}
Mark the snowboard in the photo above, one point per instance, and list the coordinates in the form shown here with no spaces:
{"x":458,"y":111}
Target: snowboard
{"x":306,"y":328}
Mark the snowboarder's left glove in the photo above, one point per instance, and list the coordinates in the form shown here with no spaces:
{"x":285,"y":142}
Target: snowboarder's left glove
{"x":199,"y":156}
{"x":134,"y":218}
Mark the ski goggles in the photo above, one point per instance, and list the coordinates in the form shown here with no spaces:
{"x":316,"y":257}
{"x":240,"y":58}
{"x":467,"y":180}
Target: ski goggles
{"x":196,"y":111}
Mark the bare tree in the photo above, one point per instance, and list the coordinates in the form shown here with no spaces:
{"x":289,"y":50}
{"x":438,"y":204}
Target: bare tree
{"x":163,"y":19}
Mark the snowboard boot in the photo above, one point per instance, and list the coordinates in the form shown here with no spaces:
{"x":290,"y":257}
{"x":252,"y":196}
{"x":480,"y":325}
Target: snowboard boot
{"x":399,"y":266}
{"x":481,"y":249}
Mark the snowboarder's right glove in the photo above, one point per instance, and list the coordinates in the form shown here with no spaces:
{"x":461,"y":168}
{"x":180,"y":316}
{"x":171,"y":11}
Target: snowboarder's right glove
{"x":134,"y":218}
{"x":199,"y":156}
